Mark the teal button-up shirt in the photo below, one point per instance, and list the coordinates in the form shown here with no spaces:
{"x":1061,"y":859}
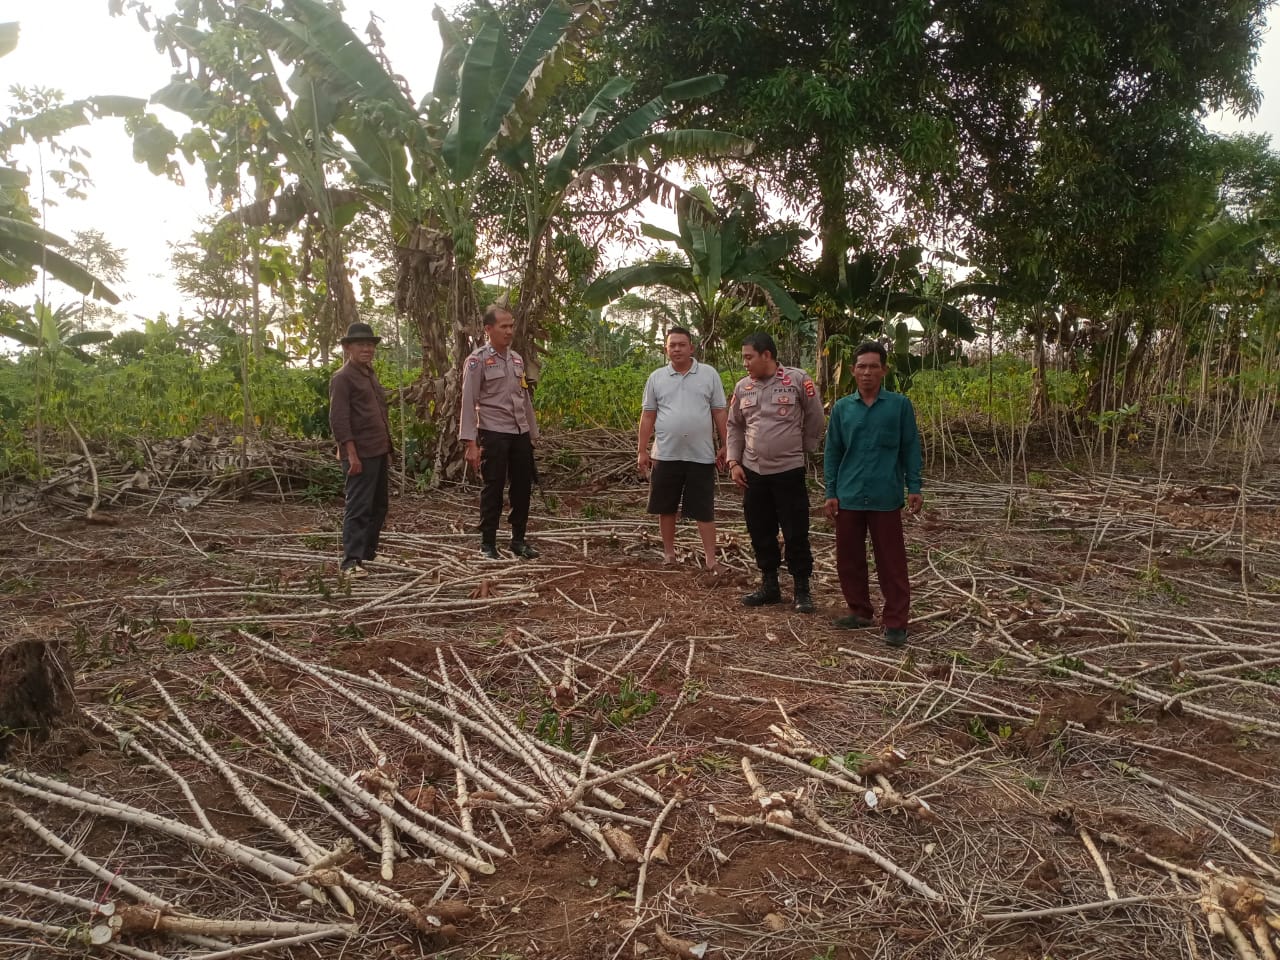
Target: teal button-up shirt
{"x":872,"y":452}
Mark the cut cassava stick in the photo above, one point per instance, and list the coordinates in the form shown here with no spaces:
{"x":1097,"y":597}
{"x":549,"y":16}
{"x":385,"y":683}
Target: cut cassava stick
{"x":113,"y":880}
{"x":140,"y":919}
{"x":104,"y":908}
{"x":649,"y":849}
{"x":839,"y":842}
{"x":328,"y":677}
{"x":386,"y":793}
{"x":304,"y":845}
{"x":1078,"y":908}
{"x":33,"y":785}
{"x":1107,"y":883}
{"x":340,"y":781}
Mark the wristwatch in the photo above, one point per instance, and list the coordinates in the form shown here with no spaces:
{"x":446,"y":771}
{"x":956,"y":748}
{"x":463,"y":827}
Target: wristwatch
{"x":732,"y":463}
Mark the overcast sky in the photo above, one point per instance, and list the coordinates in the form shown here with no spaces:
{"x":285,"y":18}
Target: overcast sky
{"x":74,"y":46}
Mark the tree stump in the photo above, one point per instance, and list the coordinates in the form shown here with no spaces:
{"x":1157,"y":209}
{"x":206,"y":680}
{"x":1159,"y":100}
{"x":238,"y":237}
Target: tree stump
{"x":37,"y":693}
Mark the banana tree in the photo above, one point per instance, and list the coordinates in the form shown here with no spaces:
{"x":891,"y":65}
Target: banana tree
{"x":246,"y":117}
{"x":51,"y":332}
{"x":627,"y":153}
{"x":872,"y":299}
{"x":719,"y":268}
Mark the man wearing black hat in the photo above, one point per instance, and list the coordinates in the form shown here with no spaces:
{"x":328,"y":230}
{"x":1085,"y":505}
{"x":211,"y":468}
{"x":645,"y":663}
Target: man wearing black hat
{"x":358,"y":419}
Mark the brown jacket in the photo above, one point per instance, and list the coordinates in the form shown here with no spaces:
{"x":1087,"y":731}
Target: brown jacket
{"x":358,"y":411}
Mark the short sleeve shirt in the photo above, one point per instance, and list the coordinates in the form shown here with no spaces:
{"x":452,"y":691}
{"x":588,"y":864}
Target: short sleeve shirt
{"x":684,"y":429}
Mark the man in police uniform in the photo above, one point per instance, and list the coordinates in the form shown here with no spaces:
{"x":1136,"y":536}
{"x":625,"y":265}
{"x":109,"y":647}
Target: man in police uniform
{"x":499,"y":429}
{"x":775,"y":418}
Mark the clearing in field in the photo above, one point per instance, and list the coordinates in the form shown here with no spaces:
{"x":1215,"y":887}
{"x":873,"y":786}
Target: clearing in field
{"x":595,"y":756}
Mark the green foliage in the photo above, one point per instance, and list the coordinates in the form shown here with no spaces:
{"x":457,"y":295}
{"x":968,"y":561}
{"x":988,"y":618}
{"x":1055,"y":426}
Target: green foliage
{"x":1000,"y":392}
{"x":629,"y":703}
{"x":577,"y":393}
{"x":719,"y":261}
{"x":162,"y":383}
{"x":182,"y":637}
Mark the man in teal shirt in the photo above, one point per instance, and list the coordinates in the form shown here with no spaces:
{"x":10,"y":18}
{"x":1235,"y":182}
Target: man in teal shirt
{"x":872,"y":453}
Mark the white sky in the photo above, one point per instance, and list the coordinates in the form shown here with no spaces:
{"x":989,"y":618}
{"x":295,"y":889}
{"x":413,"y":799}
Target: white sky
{"x":75,"y":46}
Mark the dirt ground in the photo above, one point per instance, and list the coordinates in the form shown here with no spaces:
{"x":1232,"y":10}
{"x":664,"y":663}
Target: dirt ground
{"x":1088,"y":710}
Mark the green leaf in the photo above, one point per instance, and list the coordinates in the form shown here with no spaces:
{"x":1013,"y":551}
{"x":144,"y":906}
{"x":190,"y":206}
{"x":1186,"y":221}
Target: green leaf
{"x":564,"y":162}
{"x":612,"y":285}
{"x":444,"y":93}
{"x":781,"y":299}
{"x":695,"y":87}
{"x":186,"y":98}
{"x":520,"y":87}
{"x":678,"y":145}
{"x":657,"y":233}
{"x":468,"y":135}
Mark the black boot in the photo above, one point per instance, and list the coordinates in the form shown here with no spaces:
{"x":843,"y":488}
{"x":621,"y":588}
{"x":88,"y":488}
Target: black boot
{"x":768,"y":591}
{"x":804,"y":600}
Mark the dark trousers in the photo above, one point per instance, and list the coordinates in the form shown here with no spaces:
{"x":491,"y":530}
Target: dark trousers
{"x":778,"y":501}
{"x":366,"y":510}
{"x":505,"y":456}
{"x":891,"y":563}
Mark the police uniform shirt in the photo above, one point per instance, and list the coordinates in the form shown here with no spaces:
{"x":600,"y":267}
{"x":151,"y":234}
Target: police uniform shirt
{"x":774,"y":422}
{"x":495,"y":395}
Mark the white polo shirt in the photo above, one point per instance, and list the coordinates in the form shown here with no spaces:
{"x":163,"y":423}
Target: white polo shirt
{"x":684,"y":401}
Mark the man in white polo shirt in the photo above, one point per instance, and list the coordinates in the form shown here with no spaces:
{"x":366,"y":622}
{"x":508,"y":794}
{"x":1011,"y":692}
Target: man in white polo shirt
{"x":683,"y":412}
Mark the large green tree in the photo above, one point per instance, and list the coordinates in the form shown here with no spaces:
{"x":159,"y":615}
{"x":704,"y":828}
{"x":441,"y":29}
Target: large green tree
{"x":1047,"y":140}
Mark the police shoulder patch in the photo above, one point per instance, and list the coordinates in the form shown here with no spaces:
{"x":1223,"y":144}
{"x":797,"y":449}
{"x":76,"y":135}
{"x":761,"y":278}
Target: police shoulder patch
{"x":809,"y":389}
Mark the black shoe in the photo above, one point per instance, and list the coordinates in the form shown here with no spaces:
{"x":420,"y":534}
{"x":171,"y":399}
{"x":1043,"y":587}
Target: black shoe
{"x":768,"y":592}
{"x":853,"y":622}
{"x":523,"y":550}
{"x":488,"y":551}
{"x":803,"y":599}
{"x":895,"y":636}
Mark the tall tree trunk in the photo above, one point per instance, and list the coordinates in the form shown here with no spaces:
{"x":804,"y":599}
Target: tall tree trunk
{"x":1102,"y":390}
{"x":1040,"y":395}
{"x":1137,"y":358}
{"x":833,"y":233}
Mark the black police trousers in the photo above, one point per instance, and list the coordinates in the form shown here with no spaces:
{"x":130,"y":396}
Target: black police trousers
{"x":505,"y":456}
{"x":776,"y":501}
{"x":365,"y":511}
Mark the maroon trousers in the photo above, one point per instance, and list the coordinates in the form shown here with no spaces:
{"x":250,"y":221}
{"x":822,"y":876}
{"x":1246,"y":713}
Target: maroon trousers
{"x":891,"y":564}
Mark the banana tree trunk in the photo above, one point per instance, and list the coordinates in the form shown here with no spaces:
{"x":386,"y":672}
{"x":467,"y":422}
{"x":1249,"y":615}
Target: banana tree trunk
{"x":439,"y":298}
{"x":338,"y":282}
{"x":534,"y":305}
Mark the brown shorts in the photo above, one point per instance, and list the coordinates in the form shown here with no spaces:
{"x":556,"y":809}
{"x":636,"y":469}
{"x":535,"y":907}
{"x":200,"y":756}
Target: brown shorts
{"x":682,"y":486}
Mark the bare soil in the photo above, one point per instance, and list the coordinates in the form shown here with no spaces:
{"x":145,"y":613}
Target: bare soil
{"x":1089,"y":657}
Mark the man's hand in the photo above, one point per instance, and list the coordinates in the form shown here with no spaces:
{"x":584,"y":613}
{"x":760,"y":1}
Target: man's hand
{"x":472,"y":455}
{"x":831,"y":507}
{"x":722,"y":455}
{"x":738,"y":475}
{"x":354,"y":466}
{"x":915,"y":501}
{"x":643,"y":463}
